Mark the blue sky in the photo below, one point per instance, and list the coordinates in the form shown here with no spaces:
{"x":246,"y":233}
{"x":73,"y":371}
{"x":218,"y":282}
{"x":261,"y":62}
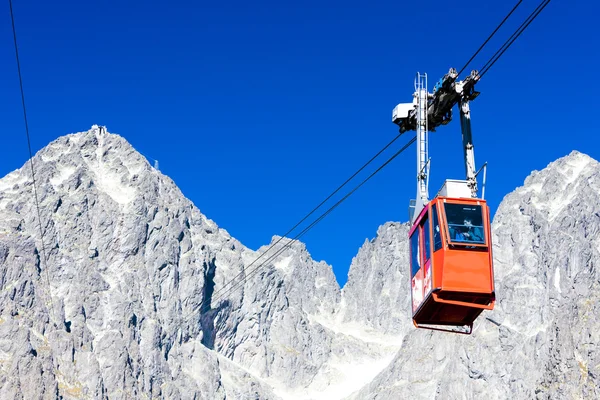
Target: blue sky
{"x":258,"y":110}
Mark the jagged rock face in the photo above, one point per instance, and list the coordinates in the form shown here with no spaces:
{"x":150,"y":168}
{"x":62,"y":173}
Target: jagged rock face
{"x":547,"y":234}
{"x":267,"y":327}
{"x":375,"y":294}
{"x":540,"y":340}
{"x":139,"y":300}
{"x":136,"y":300}
{"x":122,"y":268}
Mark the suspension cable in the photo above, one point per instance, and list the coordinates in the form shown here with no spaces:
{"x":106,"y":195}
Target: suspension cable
{"x":489,"y":37}
{"x":231,"y":286}
{"x":513,"y":37}
{"x":315,"y":209}
{"x":35,"y":194}
{"x":224,"y":292}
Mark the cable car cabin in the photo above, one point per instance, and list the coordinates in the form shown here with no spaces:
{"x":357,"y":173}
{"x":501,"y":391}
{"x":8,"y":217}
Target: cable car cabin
{"x":451,"y":263}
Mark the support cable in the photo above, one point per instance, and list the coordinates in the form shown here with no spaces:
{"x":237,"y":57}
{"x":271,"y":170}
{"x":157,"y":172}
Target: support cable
{"x":489,"y":37}
{"x":513,"y":37}
{"x":225,"y":292}
{"x":231,"y":286}
{"x":37,"y":203}
{"x":314,"y":209}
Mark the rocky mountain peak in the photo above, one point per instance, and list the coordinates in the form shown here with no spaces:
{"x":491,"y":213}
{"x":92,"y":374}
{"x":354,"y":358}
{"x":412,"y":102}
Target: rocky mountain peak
{"x":142,"y":295}
{"x":561,"y":183}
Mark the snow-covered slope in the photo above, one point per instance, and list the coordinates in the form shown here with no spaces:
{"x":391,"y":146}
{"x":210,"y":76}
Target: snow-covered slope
{"x":133,"y":301}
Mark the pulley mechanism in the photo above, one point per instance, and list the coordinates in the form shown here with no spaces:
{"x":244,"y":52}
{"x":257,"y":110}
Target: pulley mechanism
{"x":450,"y":238}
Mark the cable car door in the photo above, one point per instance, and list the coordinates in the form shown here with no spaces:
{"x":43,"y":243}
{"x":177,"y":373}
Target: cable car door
{"x":416,"y":272}
{"x":426,"y":245}
{"x":420,"y":250}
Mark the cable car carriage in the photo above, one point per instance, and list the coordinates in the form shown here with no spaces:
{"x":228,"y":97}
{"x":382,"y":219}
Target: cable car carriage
{"x":451,"y":260}
{"x":451,"y":265}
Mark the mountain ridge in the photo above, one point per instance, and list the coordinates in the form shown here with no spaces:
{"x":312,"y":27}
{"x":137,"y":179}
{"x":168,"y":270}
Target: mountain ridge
{"x":131,"y":260}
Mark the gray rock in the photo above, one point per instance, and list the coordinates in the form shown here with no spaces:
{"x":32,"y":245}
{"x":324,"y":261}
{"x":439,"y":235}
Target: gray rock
{"x":373,"y":295}
{"x":136,"y":294}
{"x":540,"y":340}
{"x":127,"y":258}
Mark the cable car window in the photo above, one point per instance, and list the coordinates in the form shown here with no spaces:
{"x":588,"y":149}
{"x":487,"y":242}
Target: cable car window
{"x":414,"y":253}
{"x":437,"y":236}
{"x":465,"y":223}
{"x":427,"y":236}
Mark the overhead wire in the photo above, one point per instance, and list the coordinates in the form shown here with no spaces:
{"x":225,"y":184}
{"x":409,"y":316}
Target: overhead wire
{"x":217,"y":296}
{"x":316,"y":208}
{"x":35,"y":193}
{"x":490,"y":36}
{"x":228,"y":287}
{"x":322,"y":216}
{"x":231,"y":286}
{"x":513,"y":37}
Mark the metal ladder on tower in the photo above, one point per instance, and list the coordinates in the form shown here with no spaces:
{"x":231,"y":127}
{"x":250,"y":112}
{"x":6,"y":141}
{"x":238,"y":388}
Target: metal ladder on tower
{"x":421,"y":97}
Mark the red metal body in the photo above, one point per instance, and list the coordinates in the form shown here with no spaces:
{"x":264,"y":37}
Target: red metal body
{"x":452,"y":278}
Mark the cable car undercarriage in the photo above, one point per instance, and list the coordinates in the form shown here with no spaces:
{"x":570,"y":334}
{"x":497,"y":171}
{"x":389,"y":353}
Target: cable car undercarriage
{"x":451,"y":267}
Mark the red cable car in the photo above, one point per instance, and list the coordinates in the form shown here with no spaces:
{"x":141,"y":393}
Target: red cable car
{"x":451,"y":262}
{"x":451,"y":268}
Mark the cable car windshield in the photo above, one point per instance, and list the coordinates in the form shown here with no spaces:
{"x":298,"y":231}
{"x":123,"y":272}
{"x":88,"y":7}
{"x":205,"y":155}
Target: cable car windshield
{"x":465,"y":223}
